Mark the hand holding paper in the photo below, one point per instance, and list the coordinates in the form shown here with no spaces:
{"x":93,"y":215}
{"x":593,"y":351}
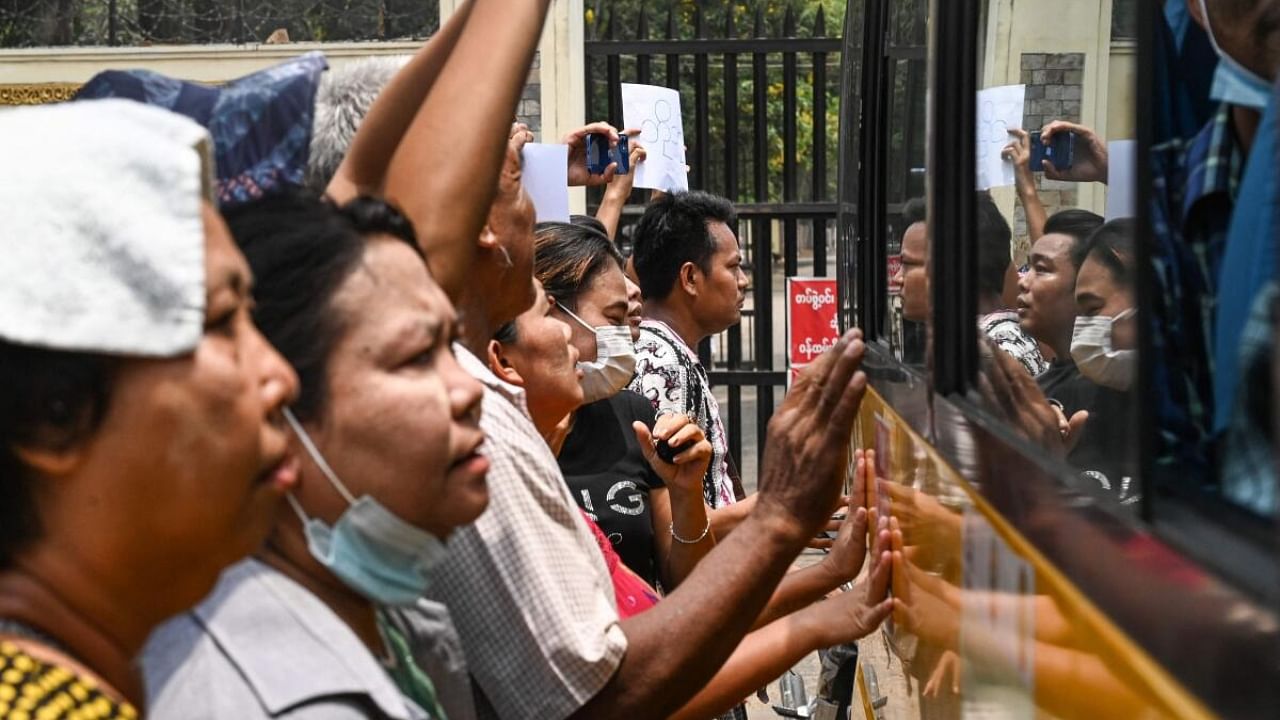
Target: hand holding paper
{"x":999,"y":111}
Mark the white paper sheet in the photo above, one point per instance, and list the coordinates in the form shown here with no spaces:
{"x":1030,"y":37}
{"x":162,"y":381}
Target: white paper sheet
{"x":999,"y":111}
{"x":656,"y":112}
{"x":1122,"y":155}
{"x":545,"y":176}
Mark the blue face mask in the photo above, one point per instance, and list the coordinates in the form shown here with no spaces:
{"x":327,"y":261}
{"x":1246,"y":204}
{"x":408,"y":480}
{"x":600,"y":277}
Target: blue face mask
{"x":375,"y":553}
{"x":1234,"y":83}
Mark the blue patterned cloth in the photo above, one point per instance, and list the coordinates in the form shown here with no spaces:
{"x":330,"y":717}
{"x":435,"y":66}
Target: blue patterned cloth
{"x":260,"y":123}
{"x":1194,"y":189}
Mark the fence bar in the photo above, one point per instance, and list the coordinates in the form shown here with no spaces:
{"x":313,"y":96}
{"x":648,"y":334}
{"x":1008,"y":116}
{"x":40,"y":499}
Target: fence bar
{"x":819,"y":158}
{"x":613,"y":73}
{"x":643,"y":60}
{"x":702,"y":111}
{"x":673,"y":57}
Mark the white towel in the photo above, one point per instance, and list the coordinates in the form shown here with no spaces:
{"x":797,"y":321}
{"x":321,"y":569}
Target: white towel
{"x":101,"y":236}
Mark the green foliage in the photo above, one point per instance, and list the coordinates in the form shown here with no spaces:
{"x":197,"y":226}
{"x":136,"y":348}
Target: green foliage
{"x":683,"y":15}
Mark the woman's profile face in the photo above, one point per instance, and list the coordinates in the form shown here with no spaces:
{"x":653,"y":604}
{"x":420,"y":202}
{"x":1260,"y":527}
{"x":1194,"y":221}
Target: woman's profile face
{"x":401,"y":423}
{"x":1098,"y":294}
{"x":546,"y":361}
{"x":190,"y":462}
{"x":603,"y":301}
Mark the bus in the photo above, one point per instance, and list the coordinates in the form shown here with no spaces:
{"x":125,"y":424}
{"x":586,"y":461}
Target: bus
{"x":1053,"y":567}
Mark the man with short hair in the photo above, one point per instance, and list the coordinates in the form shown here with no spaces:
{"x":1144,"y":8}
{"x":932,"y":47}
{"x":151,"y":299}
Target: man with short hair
{"x":997,"y":321}
{"x":689,"y":266}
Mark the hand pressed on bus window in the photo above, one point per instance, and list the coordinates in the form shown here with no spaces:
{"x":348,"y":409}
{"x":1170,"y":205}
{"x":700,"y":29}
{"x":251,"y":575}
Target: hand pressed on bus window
{"x":807,"y":440}
{"x":1089,"y":158}
{"x":914,"y":608}
{"x":924,"y":521}
{"x":849,"y":549}
{"x":946,"y":674}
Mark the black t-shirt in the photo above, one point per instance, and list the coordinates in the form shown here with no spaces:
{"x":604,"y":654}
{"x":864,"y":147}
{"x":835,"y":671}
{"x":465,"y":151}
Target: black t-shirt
{"x":1107,"y":450}
{"x":609,"y":478}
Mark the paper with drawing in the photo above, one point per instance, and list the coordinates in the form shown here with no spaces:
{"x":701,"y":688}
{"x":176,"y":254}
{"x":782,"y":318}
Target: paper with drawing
{"x":656,"y":112}
{"x":999,"y":111}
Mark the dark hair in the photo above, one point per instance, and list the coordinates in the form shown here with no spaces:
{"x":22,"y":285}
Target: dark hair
{"x":585,"y":221}
{"x":49,"y":399}
{"x":301,"y":248}
{"x":1113,"y":246}
{"x":673,"y":231}
{"x":567,"y":258}
{"x":1076,"y":224}
{"x":994,"y":254}
{"x":913,"y":211}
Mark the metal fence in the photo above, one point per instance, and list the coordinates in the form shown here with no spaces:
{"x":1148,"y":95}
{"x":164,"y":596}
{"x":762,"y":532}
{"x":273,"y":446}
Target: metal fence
{"x":760,"y":105}
{"x":44,"y":23}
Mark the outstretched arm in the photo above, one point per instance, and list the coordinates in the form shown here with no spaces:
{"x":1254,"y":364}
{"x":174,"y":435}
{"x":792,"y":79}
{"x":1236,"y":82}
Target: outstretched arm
{"x":364,"y":168}
{"x":708,"y":615}
{"x":445,"y":172}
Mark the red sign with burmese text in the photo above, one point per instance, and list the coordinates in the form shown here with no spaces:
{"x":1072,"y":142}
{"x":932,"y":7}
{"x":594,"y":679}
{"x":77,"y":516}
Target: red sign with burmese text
{"x":812,"y":325}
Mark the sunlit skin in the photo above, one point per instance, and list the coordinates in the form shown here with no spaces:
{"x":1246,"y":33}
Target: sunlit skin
{"x":400,"y":424}
{"x":191,"y":458}
{"x":1097,"y":294}
{"x":1046,"y":297}
{"x":542,"y":361}
{"x":914,"y":276}
{"x":635,"y":307}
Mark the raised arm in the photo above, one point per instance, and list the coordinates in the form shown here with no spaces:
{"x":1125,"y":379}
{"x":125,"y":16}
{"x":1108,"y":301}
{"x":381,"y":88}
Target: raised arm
{"x":1019,"y":152}
{"x":445,"y":171}
{"x":364,"y":168}
{"x":676,"y":647}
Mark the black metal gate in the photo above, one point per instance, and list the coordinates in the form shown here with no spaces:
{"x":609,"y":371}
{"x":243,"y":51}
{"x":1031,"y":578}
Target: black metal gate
{"x":760,"y":113}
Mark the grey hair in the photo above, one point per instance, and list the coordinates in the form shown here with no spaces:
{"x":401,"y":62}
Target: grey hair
{"x":343,"y":99}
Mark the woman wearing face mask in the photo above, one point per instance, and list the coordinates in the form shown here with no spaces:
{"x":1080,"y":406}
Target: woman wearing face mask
{"x":387,"y":423}
{"x":142,"y":448}
{"x":651,"y":511}
{"x":1104,"y":347}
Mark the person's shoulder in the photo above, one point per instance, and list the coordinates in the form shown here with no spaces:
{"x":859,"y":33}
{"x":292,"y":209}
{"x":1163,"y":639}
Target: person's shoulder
{"x":25,"y":672}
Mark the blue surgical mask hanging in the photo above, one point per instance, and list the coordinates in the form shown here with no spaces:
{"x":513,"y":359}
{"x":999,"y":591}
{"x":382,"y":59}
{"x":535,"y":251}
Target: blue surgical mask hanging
{"x":375,"y":553}
{"x":1233,"y":83}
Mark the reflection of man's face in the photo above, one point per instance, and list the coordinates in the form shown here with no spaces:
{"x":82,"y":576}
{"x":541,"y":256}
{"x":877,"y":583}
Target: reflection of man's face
{"x":913,"y":275}
{"x":1046,"y":301}
{"x":1238,"y":32}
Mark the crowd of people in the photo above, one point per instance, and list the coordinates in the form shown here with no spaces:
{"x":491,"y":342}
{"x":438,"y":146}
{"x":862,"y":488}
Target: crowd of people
{"x":315,"y":422}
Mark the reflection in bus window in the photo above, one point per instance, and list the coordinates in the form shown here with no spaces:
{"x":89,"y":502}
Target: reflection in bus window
{"x":1214,"y":250}
{"x":1050,"y":108}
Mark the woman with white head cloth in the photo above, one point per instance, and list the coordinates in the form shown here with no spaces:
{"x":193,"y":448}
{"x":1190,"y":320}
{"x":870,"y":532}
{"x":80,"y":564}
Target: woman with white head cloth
{"x":142,"y":446}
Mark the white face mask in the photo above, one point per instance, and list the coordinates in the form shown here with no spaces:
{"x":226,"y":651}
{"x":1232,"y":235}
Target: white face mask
{"x":615,"y":362}
{"x":1092,"y":350}
{"x":1233,"y":83}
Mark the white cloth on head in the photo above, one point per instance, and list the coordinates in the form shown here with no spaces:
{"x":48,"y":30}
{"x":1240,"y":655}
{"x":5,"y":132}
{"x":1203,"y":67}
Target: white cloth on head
{"x":101,"y":237}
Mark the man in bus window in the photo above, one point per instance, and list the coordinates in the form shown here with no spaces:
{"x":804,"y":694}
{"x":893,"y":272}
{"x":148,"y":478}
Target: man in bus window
{"x":995,"y":262}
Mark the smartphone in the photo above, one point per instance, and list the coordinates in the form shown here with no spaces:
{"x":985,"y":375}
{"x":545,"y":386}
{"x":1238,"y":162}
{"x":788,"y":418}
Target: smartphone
{"x":1059,"y":151}
{"x":600,"y":155}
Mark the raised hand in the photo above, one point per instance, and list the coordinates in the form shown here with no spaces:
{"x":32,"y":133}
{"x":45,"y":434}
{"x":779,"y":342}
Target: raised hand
{"x":1089,"y":159}
{"x":808,"y":439}
{"x":577,"y":142}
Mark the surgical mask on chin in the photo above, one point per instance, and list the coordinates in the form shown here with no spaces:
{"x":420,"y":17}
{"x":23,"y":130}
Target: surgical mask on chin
{"x":1233,"y":83}
{"x":615,"y":362}
{"x":375,"y":553}
{"x":1097,"y":360}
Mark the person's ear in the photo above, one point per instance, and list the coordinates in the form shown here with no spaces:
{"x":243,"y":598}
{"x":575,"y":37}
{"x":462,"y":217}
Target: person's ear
{"x":690,"y":273}
{"x":501,"y":365}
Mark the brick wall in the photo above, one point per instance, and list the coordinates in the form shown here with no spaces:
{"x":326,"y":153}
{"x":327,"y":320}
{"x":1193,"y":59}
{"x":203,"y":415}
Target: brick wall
{"x":530,"y":108}
{"x":1055,"y":86}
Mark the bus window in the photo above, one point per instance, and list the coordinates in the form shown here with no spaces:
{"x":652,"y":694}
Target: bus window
{"x":907,"y":251}
{"x":1055,"y":242}
{"x":1214,"y":274}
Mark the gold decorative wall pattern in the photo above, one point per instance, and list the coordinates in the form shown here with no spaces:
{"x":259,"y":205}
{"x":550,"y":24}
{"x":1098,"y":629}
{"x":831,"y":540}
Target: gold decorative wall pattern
{"x":37,"y":94}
